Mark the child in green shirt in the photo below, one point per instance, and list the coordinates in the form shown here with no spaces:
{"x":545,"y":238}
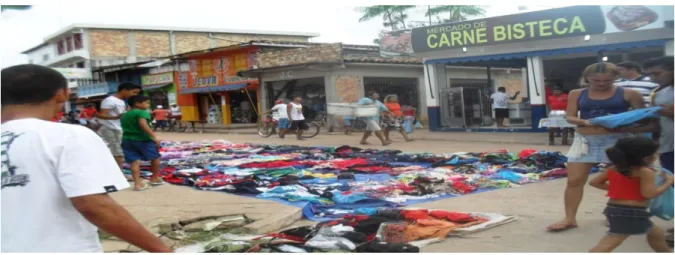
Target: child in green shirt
{"x":139,"y":142}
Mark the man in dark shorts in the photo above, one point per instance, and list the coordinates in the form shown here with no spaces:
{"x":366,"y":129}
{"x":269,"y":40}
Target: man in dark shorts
{"x":500,"y":102}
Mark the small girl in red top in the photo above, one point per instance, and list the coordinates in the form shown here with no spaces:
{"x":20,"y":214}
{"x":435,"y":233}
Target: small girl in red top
{"x":629,"y":187}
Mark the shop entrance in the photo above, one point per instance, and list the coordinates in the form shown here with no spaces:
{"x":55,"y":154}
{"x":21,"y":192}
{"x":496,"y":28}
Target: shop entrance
{"x":158,"y":97}
{"x":209,"y":108}
{"x":311,"y":90}
{"x":405,"y":88}
{"x":244,"y":108}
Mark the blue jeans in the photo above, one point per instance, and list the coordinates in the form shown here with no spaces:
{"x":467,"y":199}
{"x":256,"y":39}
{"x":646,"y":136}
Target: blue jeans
{"x":283,"y":123}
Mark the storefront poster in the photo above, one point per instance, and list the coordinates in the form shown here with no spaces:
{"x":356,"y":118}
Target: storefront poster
{"x":172,"y":98}
{"x":152,"y":79}
{"x":75,"y":73}
{"x":183,"y":80}
{"x":396,"y":43}
{"x":218,"y":71}
{"x":539,"y":25}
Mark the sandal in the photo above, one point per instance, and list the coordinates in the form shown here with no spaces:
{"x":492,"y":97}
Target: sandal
{"x":560,"y":227}
{"x":145,"y":186}
{"x":157,"y":183}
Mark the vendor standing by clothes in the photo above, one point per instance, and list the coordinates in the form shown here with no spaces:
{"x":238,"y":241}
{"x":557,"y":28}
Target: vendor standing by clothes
{"x":557,"y":101}
{"x":500,"y":103}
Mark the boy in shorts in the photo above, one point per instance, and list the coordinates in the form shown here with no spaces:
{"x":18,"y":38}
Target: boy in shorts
{"x":139,"y":142}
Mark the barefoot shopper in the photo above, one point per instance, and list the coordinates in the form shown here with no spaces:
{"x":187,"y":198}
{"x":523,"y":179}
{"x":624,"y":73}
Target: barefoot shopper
{"x":372,"y":125}
{"x":629,"y":187}
{"x":139,"y":142}
{"x":601,"y":98}
{"x":55,"y":179}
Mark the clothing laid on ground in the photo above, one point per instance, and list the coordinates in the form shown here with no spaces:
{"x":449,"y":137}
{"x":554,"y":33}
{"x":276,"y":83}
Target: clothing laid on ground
{"x":115,"y":107}
{"x":132,"y":130}
{"x":280,"y":111}
{"x":44,"y":165}
{"x":558,"y":103}
{"x":664,"y":97}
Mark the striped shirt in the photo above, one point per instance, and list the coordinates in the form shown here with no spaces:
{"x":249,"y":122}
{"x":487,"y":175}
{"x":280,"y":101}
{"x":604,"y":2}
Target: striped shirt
{"x":641,"y":84}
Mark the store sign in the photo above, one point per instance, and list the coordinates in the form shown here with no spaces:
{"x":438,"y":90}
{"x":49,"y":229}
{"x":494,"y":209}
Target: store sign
{"x":539,"y":25}
{"x":75,"y":73}
{"x":153,"y":79}
{"x":206,"y":81}
{"x":183,"y":80}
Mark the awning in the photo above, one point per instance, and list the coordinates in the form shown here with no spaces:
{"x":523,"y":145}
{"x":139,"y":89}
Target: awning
{"x":213,"y":89}
{"x":597,"y":48}
{"x":155,"y":63}
{"x":156,"y":86}
{"x":93,"y":95}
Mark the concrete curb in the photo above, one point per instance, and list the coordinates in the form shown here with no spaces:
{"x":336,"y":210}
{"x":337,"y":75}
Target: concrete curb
{"x":277,"y":222}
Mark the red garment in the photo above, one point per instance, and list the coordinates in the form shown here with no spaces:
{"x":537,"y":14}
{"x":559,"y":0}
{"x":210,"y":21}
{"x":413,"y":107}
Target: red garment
{"x":623,"y":187}
{"x":557,"y":103}
{"x":270,"y":164}
{"x":90,"y":113}
{"x":548,"y":91}
{"x":344,"y":164}
{"x":58,"y":117}
{"x":453,"y":216}
{"x":526,"y":153}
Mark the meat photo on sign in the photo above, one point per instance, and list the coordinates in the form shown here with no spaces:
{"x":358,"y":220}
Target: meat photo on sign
{"x":396,"y":43}
{"x":631,"y":17}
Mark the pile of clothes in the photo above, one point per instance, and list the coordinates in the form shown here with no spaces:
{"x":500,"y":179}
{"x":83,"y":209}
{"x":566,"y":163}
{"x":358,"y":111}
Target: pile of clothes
{"x":376,"y":230}
{"x":331,"y":182}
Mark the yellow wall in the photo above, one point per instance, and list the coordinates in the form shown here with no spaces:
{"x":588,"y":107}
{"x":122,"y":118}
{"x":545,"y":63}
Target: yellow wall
{"x":190,"y":113}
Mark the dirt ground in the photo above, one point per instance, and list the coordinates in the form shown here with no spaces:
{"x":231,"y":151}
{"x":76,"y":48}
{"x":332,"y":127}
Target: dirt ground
{"x":535,"y":205}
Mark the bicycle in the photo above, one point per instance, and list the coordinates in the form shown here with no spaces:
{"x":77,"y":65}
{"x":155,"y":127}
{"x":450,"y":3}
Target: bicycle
{"x":267,"y":127}
{"x":175,"y":125}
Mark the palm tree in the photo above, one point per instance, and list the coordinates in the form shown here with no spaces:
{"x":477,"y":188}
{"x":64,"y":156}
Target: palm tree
{"x":401,"y":11}
{"x":370,"y":12}
{"x":456,"y":12}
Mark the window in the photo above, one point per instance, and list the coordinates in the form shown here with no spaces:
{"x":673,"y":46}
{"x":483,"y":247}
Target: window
{"x":80,"y":65}
{"x":69,"y":44}
{"x":45,"y":57}
{"x":77,"y":39}
{"x":61,"y":48}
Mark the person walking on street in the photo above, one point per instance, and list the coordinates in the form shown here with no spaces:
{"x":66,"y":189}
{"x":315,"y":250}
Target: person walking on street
{"x":500,"y":102}
{"x":280,"y":114}
{"x":372,"y":125}
{"x":160,"y":115}
{"x":112,"y":109}
{"x":55,"y":180}
{"x":296,"y":118}
{"x":395,"y":121}
{"x":601,"y":98}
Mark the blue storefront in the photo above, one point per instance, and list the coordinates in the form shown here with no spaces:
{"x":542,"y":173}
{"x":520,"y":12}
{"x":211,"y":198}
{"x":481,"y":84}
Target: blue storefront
{"x":551,"y":47}
{"x":113,"y":77}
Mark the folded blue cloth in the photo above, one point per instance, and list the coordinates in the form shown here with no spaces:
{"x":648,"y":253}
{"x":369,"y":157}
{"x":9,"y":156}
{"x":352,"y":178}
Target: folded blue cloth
{"x":626,"y":118}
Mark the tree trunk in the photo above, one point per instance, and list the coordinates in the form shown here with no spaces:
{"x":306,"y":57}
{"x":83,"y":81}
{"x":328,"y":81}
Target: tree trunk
{"x":402,"y":20}
{"x":391,"y":22}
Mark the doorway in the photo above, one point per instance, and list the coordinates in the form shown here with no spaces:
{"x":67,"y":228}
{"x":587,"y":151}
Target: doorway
{"x":244,"y":108}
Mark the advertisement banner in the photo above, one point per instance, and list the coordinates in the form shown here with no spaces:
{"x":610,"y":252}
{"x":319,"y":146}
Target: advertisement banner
{"x":538,"y":25}
{"x":218,"y":71}
{"x":152,"y":79}
{"x":396,"y":43}
{"x":75,"y":73}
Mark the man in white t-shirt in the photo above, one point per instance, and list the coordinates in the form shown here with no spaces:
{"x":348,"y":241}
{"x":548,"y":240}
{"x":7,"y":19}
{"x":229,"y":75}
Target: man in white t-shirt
{"x":500,"y":103}
{"x":112,"y":109}
{"x":632,"y":78}
{"x":54,"y":179}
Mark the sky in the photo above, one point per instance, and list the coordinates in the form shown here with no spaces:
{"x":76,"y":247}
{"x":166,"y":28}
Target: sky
{"x":335,"y":22}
